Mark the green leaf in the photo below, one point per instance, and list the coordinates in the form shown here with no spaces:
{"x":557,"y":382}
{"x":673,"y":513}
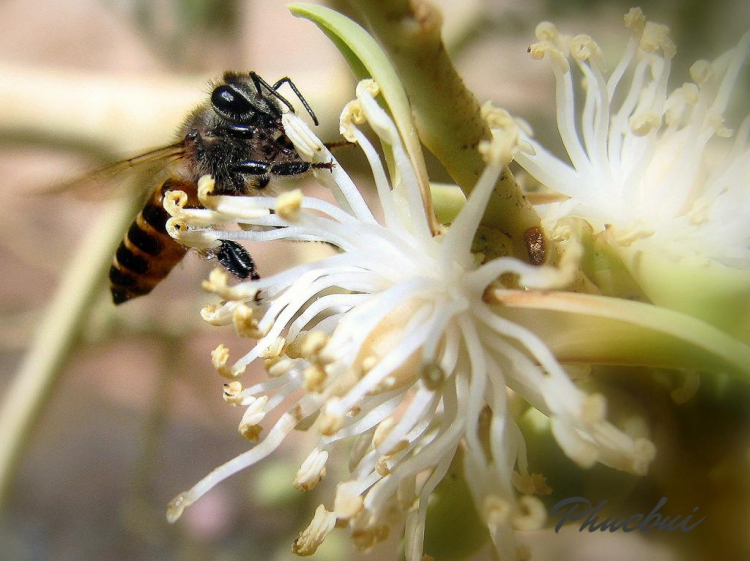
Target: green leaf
{"x":701,"y":288}
{"x":453,"y":528}
{"x":582,"y":328}
{"x":367,"y":60}
{"x":448,"y":201}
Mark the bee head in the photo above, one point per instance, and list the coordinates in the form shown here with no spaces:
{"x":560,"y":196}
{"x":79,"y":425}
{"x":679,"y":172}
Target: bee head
{"x":238,"y":101}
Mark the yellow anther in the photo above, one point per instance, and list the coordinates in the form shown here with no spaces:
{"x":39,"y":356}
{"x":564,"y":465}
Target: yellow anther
{"x":288,"y":204}
{"x":206,"y":186}
{"x":217,"y":281}
{"x":583,"y":47}
{"x":701,"y":71}
{"x":656,"y":37}
{"x":531,"y":484}
{"x":433,"y":376}
{"x":274,"y":349}
{"x":277,"y":366}
{"x":313,"y":343}
{"x":635,"y":20}
{"x":312,"y":470}
{"x":249,"y":426}
{"x":495,"y":511}
{"x":530,"y":514}
{"x":382,"y":431}
{"x":311,"y":537}
{"x":233,"y":392}
{"x":593,"y":409}
{"x":348,"y":502}
{"x":244,"y":323}
{"x":382,"y":467}
{"x":175,"y":200}
{"x":368,"y":86}
{"x":368,"y":363}
{"x":219,"y":359}
{"x":643,"y":124}
{"x":216,"y":315}
{"x":351,"y":115}
{"x":496,"y":117}
{"x":330,"y":423}
{"x":314,"y":378}
{"x":546,"y":31}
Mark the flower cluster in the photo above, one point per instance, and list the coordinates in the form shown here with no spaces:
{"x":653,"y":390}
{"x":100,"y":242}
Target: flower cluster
{"x":645,"y":164}
{"x":393,"y":343}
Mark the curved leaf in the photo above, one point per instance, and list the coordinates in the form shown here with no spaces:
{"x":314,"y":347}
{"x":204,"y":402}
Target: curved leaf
{"x":701,"y":288}
{"x":582,"y":328}
{"x":367,"y":60}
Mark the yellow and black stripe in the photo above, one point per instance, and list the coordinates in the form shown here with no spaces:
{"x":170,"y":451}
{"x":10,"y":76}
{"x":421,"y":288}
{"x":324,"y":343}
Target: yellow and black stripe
{"x":147,"y":253}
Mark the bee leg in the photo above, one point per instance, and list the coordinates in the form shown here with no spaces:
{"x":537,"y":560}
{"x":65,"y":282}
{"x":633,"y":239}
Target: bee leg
{"x":253,"y":167}
{"x":338,"y":144}
{"x":286,"y":80}
{"x":243,"y":132}
{"x":262,"y":171}
{"x":297,"y":168}
{"x":261,"y":83}
{"x":237,"y":260}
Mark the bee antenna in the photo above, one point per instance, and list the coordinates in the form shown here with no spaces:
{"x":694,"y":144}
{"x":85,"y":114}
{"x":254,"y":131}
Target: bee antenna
{"x":261,"y":83}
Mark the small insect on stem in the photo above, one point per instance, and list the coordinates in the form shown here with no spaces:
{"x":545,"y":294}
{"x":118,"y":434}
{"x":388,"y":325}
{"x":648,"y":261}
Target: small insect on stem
{"x":536,"y":246}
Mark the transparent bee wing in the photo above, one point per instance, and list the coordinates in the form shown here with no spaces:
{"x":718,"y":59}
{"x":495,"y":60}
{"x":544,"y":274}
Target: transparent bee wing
{"x":108,"y":181}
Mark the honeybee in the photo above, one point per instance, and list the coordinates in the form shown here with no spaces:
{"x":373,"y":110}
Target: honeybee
{"x":237,"y":137}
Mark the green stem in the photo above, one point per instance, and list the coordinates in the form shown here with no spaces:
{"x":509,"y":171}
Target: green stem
{"x":60,"y":325}
{"x":447,"y":114}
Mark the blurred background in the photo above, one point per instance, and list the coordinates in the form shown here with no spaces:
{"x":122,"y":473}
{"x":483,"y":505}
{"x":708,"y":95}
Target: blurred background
{"x":137,"y":414}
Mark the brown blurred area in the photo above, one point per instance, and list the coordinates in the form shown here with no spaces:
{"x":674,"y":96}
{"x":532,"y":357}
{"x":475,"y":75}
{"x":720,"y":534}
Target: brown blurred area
{"x":137,"y":415}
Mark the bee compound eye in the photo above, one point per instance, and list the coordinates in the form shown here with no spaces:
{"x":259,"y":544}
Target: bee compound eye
{"x":228,"y":100}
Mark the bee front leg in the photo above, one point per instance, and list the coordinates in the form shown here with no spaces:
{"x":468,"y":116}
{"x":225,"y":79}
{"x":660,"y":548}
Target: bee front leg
{"x":255,"y":168}
{"x":297,"y":168}
{"x":263,"y":170}
{"x":290,"y":168}
{"x":241,"y":132}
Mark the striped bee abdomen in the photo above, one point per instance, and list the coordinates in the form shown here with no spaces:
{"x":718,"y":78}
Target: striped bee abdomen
{"x":147,"y":253}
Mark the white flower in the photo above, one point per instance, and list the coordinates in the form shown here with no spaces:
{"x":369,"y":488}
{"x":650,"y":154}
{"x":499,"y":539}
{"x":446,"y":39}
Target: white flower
{"x":389,"y":343}
{"x":645,"y":163}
